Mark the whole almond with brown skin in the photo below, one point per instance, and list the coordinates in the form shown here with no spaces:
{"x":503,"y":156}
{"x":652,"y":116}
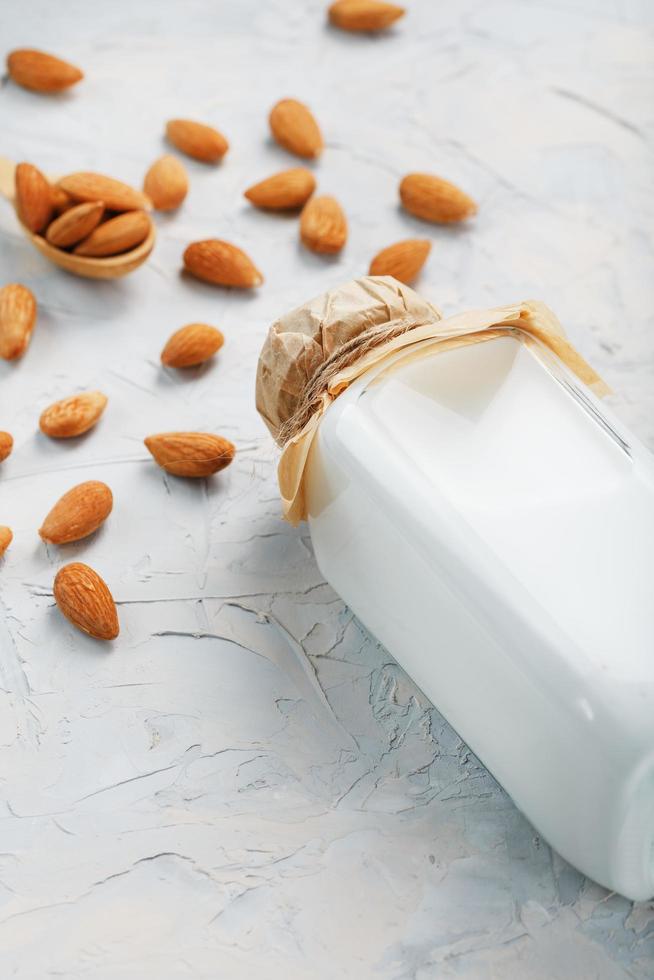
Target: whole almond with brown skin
{"x":284,"y":191}
{"x":119,"y":234}
{"x":191,"y":345}
{"x":61,"y":201}
{"x":6,"y":538}
{"x":403,"y":260}
{"x":221,"y":263}
{"x":85,"y":600}
{"x":41,"y":72}
{"x":166,"y":183}
{"x":197,"y":140}
{"x":33,"y":197}
{"x":323,"y":226}
{"x":6,"y":445}
{"x":72,"y":416}
{"x":80,"y":512}
{"x":115,"y":195}
{"x":294,"y":127}
{"x":364,"y":15}
{"x":434,"y":199}
{"x":17,"y":319}
{"x":192,"y":454}
{"x":75,"y":224}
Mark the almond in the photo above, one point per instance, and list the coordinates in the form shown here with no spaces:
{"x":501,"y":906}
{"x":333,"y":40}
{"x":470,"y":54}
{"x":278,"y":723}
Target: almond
{"x":72,"y":416}
{"x":294,"y":127}
{"x":197,"y":140}
{"x":166,"y":183}
{"x":190,"y":345}
{"x":33,"y":197}
{"x":403,"y":260}
{"x":116,"y":196}
{"x":80,"y":512}
{"x":284,"y":191}
{"x":75,"y":224}
{"x":6,"y":538}
{"x":6,"y":445}
{"x":193,"y":454}
{"x":119,"y":234}
{"x":221,"y":263}
{"x":41,"y":72}
{"x":84,"y":599}
{"x":17,"y":319}
{"x":61,"y":201}
{"x":434,"y":199}
{"x":323,"y":226}
{"x":364,"y":15}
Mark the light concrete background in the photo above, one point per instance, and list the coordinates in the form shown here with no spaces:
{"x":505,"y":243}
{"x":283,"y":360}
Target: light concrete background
{"x":245,"y":784}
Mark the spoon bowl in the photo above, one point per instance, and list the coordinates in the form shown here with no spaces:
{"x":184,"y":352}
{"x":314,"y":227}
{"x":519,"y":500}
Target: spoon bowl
{"x":109,"y":267}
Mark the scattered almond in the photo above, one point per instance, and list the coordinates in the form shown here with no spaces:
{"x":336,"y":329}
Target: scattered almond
{"x":61,"y":201}
{"x":193,"y":454}
{"x":197,"y":140}
{"x":6,"y":538}
{"x":117,"y":235}
{"x":33,"y":197}
{"x":41,"y":72}
{"x":284,"y":191}
{"x":84,"y":599}
{"x":78,"y":513}
{"x":222,"y":264}
{"x":72,"y":416}
{"x":116,"y":195}
{"x":191,"y":345}
{"x":17,"y":319}
{"x":323,"y":226}
{"x":166,"y":183}
{"x":434,"y":199}
{"x":364,"y":15}
{"x":403,"y":260}
{"x":75,"y":224}
{"x":6,"y":445}
{"x":294,"y":127}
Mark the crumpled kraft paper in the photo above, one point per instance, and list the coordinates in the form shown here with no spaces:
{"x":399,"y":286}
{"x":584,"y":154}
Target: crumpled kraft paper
{"x":302,"y":342}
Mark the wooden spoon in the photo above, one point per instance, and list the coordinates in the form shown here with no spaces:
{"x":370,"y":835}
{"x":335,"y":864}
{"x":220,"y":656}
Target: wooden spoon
{"x":111,"y":267}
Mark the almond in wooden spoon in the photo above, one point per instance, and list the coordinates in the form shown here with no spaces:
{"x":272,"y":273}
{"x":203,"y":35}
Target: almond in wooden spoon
{"x":61,"y":201}
{"x":364,"y":15}
{"x":33,"y":197}
{"x":117,"y":196}
{"x":17,"y":319}
{"x":117,"y":235}
{"x":72,"y":416}
{"x":6,"y":445}
{"x":191,"y":454}
{"x":166,"y":183}
{"x":191,"y":345}
{"x":294,"y":127}
{"x":434,"y":199}
{"x":6,"y":538}
{"x":80,"y":512}
{"x":85,"y":600}
{"x":403,"y":260}
{"x":197,"y":140}
{"x":221,"y":263}
{"x":284,"y":191}
{"x":75,"y":224}
{"x":323,"y":226}
{"x":41,"y":72}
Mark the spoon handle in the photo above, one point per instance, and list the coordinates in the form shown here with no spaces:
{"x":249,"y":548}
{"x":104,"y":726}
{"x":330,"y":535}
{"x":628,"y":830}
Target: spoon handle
{"x":7,"y":170}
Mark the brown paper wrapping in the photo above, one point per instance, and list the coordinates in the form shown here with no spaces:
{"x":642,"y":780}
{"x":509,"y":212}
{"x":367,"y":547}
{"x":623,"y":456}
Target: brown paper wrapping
{"x":299,"y":344}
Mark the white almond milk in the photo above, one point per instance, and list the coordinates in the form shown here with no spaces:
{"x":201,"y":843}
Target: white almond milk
{"x":493,"y":526}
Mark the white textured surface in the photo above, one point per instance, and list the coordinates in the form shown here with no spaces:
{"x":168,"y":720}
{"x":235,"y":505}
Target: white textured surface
{"x":245,"y":784}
